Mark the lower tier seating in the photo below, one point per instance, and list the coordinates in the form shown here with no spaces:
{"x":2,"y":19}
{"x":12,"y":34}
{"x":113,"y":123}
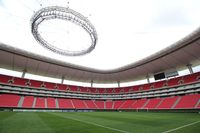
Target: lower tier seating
{"x":79,"y":104}
{"x":28,"y":102}
{"x":153,"y":103}
{"x":190,"y":101}
{"x":40,"y":102}
{"x":126,"y":104}
{"x":9,"y":100}
{"x":51,"y":103}
{"x":117,"y":104}
{"x":90,"y":104}
{"x":167,"y":103}
{"x":65,"y":103}
{"x":139,"y":104}
{"x":109,"y":105}
{"x":100,"y":104}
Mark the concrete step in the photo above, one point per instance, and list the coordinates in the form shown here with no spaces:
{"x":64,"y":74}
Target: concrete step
{"x":179,"y":98}
{"x":21,"y":101}
{"x":159,"y":103}
{"x":34,"y":102}
{"x":57,"y":105}
{"x":197,"y":104}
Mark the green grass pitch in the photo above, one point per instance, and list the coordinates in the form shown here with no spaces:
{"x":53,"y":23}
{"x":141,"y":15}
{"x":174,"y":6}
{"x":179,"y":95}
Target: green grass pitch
{"x":99,"y":122}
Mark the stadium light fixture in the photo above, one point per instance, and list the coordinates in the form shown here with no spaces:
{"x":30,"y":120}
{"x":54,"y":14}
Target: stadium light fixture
{"x":66,"y":14}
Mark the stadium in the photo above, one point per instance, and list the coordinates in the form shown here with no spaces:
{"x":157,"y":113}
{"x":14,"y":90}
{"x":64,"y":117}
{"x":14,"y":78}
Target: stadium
{"x":99,"y":66}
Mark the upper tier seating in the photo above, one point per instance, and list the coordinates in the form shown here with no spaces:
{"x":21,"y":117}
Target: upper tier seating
{"x":145,"y":87}
{"x":175,"y":81}
{"x":191,"y":78}
{"x":36,"y":84}
{"x":159,"y":84}
{"x":190,"y":101}
{"x":5,"y":79}
{"x":50,"y":86}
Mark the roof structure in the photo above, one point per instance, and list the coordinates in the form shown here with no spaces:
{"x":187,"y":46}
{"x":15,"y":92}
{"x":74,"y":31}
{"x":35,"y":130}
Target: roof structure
{"x":130,"y":45}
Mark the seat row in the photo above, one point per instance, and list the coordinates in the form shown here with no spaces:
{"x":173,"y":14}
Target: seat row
{"x":4,"y":79}
{"x":191,"y":101}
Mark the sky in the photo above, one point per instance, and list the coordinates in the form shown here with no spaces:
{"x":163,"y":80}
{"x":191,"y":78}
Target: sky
{"x":128,"y":30}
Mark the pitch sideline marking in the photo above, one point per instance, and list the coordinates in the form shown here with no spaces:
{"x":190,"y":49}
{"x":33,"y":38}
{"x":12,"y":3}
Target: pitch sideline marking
{"x":95,"y":124}
{"x":181,"y":127}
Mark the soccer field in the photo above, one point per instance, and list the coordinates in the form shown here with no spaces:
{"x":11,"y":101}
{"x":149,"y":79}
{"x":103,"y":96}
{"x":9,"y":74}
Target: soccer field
{"x":99,"y":122}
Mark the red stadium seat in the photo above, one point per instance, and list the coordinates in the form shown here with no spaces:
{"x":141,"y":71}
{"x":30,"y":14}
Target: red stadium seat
{"x":79,"y":104}
{"x":5,"y":78}
{"x":188,"y":101}
{"x":100,"y":104}
{"x":191,"y":78}
{"x":51,"y":102}
{"x":152,"y":104}
{"x":118,"y":104}
{"x":167,"y":103}
{"x":36,"y":84}
{"x":175,"y":81}
{"x":139,"y":104}
{"x":28,"y":102}
{"x":90,"y":104}
{"x":127,"y":104}
{"x":9,"y":100}
{"x":65,"y":103}
{"x":109,"y":104}
{"x":40,"y":102}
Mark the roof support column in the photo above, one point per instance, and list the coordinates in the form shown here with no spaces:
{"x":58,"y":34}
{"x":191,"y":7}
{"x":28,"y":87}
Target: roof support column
{"x":23,"y":73}
{"x":189,"y":66}
{"x":118,"y":83}
{"x":148,"y":80}
{"x":91,"y":84}
{"x":62,"y":80}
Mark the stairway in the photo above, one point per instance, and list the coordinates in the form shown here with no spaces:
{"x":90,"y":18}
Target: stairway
{"x":95,"y":104}
{"x":145,"y":104}
{"x":159,"y":103}
{"x":72,"y":104}
{"x":197,"y":104}
{"x":34,"y":102}
{"x":173,"y":106}
{"x":122,"y":104}
{"x":45,"y":103}
{"x":113,"y":105}
{"x":57,"y":105}
{"x":85,"y":105}
{"x":21,"y":101}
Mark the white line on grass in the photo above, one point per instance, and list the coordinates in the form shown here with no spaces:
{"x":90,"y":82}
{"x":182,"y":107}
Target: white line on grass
{"x":95,"y":124}
{"x":181,"y":127}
